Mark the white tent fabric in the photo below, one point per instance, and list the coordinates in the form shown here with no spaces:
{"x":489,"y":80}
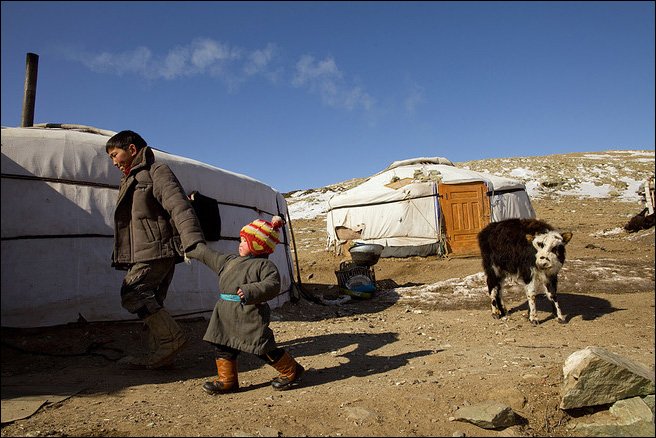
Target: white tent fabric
{"x":407,"y":215}
{"x":59,"y":190}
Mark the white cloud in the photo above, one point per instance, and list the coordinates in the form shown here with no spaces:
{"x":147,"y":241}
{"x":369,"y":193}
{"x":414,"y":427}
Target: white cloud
{"x":312,"y":74}
{"x":414,"y":98}
{"x":206,"y":52}
{"x":232,"y":65}
{"x":260,"y":59}
{"x":324,"y":78}
{"x":174,"y":64}
{"x":201,"y":56}
{"x":135,"y":61}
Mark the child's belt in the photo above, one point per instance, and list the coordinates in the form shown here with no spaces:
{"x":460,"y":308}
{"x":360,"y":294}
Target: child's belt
{"x":230,"y":297}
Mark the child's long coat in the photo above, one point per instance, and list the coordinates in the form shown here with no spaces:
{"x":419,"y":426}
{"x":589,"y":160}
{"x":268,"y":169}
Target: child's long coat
{"x":243,"y":326}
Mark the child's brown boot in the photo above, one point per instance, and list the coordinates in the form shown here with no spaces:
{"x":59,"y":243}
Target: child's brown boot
{"x":290,"y":372}
{"x":228,"y":378}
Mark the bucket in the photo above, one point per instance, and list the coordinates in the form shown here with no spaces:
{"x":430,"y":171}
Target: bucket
{"x":366,"y":254}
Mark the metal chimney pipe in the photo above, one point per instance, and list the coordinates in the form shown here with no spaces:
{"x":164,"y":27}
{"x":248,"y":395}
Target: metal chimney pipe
{"x":29,"y":97}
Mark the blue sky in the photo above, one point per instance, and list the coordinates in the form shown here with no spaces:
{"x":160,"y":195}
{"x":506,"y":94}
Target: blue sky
{"x":301,"y":95}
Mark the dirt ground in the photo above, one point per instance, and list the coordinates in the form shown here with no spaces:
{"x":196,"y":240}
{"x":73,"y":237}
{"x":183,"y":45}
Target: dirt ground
{"x":392,"y":365}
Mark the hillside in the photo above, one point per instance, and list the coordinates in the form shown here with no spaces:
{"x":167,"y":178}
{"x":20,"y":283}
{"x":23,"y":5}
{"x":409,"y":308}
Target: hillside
{"x":607,"y":174}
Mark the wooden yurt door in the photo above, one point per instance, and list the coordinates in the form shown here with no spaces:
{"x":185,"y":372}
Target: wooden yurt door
{"x":466,"y":210}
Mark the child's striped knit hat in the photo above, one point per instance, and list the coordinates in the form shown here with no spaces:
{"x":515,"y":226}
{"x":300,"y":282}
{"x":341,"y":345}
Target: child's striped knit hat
{"x":262,"y":236}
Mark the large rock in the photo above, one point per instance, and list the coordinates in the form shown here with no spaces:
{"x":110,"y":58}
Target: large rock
{"x":489,"y":414}
{"x":594,"y":376}
{"x":641,"y":428}
{"x":628,"y":417}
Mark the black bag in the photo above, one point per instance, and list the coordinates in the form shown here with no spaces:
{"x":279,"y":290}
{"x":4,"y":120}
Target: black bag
{"x":207,"y":210}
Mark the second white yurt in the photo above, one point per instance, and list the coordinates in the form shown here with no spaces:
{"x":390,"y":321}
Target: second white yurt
{"x":424,"y":206}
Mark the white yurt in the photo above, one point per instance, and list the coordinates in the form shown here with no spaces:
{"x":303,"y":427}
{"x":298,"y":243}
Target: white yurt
{"x":59,"y":190}
{"x":424,"y":206}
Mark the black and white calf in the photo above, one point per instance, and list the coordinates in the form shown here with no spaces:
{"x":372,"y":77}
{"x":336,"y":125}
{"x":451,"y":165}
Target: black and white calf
{"x":528,"y":249}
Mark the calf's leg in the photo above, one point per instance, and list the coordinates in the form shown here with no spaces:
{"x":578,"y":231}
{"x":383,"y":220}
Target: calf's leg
{"x":552,"y":295}
{"x":530,"y":296}
{"x":495,"y":290}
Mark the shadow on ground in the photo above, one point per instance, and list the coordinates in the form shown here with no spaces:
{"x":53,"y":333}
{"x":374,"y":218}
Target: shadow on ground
{"x":571,"y":305}
{"x":85,"y":355}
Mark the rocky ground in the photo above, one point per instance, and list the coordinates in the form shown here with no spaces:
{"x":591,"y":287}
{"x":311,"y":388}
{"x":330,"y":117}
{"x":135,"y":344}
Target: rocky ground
{"x":398,"y":364}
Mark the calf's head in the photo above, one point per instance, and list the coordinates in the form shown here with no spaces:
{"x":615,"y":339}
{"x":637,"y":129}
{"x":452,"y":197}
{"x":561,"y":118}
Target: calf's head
{"x":550,"y":249}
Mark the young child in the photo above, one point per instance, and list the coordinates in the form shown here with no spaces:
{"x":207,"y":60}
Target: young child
{"x":240,"y":321}
{"x":154,"y":224}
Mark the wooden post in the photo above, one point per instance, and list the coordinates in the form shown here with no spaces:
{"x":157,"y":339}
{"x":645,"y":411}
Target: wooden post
{"x":29,"y":96}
